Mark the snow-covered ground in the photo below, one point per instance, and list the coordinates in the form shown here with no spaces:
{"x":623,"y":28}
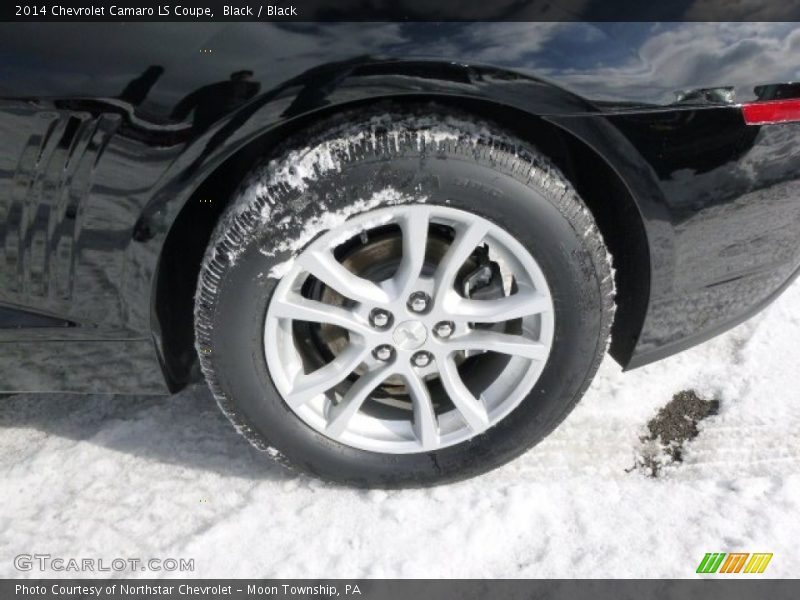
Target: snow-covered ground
{"x":107,"y":477}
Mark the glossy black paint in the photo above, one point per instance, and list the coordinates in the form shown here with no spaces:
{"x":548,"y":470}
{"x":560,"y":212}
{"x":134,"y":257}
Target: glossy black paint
{"x":120,"y":143}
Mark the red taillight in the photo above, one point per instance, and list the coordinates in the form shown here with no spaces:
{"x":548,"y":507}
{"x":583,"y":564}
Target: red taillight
{"x":772,"y":111}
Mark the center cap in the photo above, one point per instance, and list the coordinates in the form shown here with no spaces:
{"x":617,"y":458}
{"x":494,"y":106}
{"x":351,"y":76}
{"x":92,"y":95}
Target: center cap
{"x":410,"y":335}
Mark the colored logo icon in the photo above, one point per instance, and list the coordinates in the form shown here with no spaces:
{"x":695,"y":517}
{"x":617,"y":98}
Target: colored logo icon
{"x":734,"y":562}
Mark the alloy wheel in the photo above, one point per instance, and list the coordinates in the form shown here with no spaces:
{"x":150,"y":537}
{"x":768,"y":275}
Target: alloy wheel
{"x":433,"y":338}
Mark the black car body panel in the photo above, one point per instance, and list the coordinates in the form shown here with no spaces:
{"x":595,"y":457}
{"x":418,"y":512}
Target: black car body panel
{"x":120,"y":145}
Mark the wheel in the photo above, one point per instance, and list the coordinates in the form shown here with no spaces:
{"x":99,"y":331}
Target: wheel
{"x":403,"y":300}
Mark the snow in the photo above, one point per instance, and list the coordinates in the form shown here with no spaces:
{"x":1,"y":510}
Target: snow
{"x":329,"y":220}
{"x":323,"y":154}
{"x":104,"y":476}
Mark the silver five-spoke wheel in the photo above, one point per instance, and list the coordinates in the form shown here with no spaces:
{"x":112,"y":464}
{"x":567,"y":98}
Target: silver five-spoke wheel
{"x":409,"y":329}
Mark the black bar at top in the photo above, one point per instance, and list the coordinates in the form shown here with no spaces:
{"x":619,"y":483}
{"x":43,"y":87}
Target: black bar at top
{"x":400,"y":10}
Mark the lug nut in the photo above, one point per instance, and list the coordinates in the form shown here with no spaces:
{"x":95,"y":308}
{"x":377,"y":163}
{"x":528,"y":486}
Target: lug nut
{"x":383,"y":352}
{"x":418,"y":302}
{"x":380,"y":319}
{"x":444,"y":329}
{"x":421,"y":359}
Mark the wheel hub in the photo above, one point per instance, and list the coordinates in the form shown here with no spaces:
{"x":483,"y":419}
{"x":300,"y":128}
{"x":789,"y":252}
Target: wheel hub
{"x":410,"y":335}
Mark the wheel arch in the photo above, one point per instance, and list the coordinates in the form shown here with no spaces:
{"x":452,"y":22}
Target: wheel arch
{"x":606,"y":194}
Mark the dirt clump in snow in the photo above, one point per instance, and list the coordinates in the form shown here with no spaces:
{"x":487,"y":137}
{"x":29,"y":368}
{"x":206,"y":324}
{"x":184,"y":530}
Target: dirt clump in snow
{"x":673,"y":426}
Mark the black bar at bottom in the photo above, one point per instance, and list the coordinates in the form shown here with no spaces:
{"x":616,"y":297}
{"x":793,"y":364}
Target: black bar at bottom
{"x":711,"y":588}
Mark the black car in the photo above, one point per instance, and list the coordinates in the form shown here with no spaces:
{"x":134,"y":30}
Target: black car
{"x":396,"y":252}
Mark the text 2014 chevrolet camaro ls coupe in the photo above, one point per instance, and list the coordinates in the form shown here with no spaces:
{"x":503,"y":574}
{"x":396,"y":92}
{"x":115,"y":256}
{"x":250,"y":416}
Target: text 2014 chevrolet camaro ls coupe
{"x":396,"y":252}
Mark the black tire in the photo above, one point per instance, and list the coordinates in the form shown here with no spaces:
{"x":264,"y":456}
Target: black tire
{"x":530,"y":199}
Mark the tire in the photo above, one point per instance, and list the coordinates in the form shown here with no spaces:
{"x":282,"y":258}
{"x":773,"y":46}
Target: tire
{"x":344,"y":171}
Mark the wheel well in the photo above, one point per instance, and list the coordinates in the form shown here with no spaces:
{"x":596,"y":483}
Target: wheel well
{"x":604,"y":193}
